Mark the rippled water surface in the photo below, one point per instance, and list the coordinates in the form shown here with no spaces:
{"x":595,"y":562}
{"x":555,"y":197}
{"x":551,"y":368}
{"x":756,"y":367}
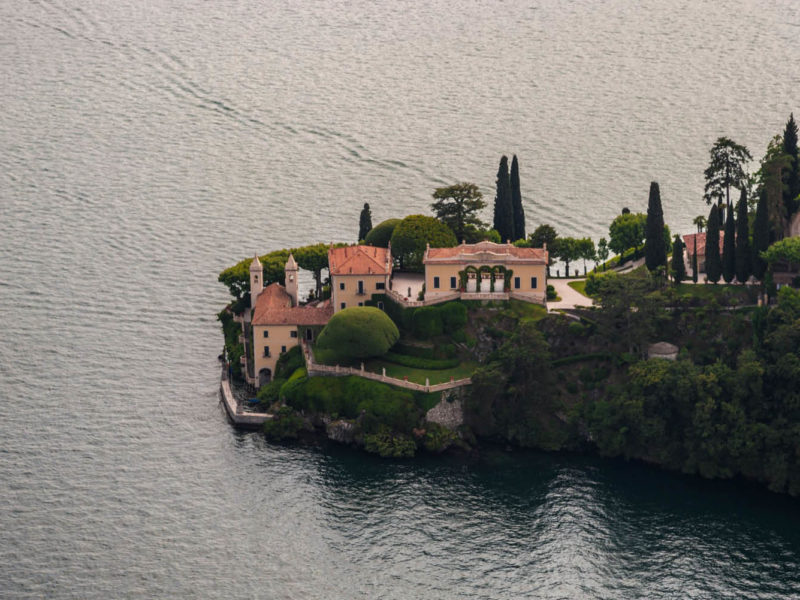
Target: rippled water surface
{"x":146,"y":146}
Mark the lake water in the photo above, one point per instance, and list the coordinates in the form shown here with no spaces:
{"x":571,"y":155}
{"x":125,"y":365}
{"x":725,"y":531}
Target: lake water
{"x":146,"y":146}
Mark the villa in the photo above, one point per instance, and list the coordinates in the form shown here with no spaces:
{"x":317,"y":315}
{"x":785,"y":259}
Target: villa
{"x":482,"y":271}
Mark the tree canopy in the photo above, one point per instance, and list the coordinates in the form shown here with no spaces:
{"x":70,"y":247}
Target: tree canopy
{"x":626,"y":231}
{"x":313,"y":258}
{"x":785,"y":250}
{"x":655,"y":248}
{"x":517,"y":210}
{"x":713,"y":260}
{"x":729,"y":247}
{"x":791,"y":174}
{"x":725,"y":170}
{"x":678,"y":266}
{"x":380,"y":235}
{"x":457,"y":205}
{"x":364,"y":222}
{"x":414,"y":233}
{"x":358,"y":332}
{"x":743,"y":258}
{"x":503,"y":208}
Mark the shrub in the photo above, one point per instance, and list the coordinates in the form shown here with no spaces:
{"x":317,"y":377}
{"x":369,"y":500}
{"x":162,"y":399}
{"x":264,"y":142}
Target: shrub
{"x":453,"y":315}
{"x":437,"y":438}
{"x":388,"y":444}
{"x":576,"y":329}
{"x":381,"y":233}
{"x":416,"y":362}
{"x":551,"y":292}
{"x":270,"y":393}
{"x":427,"y":322}
{"x":594,"y":281}
{"x":285,"y":425}
{"x":359,"y":332}
{"x":409,"y":350}
{"x":413,"y":233}
{"x":289,"y":362}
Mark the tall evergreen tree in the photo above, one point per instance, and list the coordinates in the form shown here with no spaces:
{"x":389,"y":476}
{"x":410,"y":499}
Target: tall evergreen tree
{"x":694,"y":261}
{"x":729,"y":247}
{"x":503,"y":211}
{"x":791,"y":176}
{"x":743,"y":261}
{"x":364,"y":222}
{"x":725,"y":169}
{"x":713,"y":261}
{"x":678,"y":266}
{"x":655,"y":248}
{"x":456,"y":206}
{"x":516,"y":202}
{"x":761,"y":235}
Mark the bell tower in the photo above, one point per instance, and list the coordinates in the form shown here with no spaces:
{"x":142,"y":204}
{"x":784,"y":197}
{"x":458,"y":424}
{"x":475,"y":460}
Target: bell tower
{"x":291,"y":278}
{"x":256,"y":280}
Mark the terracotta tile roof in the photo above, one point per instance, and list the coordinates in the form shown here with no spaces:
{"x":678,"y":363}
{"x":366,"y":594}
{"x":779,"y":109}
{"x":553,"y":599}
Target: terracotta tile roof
{"x":359,"y":260}
{"x":274,"y":307}
{"x":486,"y":252}
{"x":688,"y":241}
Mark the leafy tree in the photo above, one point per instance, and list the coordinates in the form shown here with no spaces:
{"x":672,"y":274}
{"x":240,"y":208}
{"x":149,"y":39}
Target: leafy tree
{"x":516,"y":202}
{"x":503,"y":209}
{"x":456,"y":206}
{"x":627,"y":231}
{"x":315,"y":259}
{"x":567,"y":249}
{"x":380,"y":235}
{"x":713,"y":261}
{"x":729,"y":247}
{"x":544,"y":234}
{"x":678,"y":266}
{"x":364,"y":222}
{"x":700,"y":222}
{"x":358,"y":332}
{"x":237,"y":277}
{"x":742,"y":240}
{"x":473,"y":235}
{"x":585,"y":249}
{"x":770,"y":183}
{"x":602,"y":251}
{"x":694,"y":262}
{"x":414,"y":233}
{"x":785,"y":250}
{"x":725,"y":169}
{"x":761,"y":235}
{"x":629,"y":313}
{"x":791,"y":175}
{"x":655,"y":250}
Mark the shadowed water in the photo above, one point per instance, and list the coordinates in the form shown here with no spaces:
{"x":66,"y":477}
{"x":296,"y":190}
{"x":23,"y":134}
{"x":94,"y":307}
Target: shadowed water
{"x":144,"y":148}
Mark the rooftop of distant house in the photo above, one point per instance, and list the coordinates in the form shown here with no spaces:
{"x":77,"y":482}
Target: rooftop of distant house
{"x":359,"y":260}
{"x":485,"y":252}
{"x":688,"y":241}
{"x":274,"y":307}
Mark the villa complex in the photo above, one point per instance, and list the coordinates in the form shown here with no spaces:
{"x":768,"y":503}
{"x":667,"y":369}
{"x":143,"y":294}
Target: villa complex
{"x":363,"y":274}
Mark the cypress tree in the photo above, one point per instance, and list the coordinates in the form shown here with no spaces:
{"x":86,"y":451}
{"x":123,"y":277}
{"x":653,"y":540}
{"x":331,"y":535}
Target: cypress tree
{"x":742,"y":240}
{"x":655,"y":248}
{"x":516,"y":202}
{"x":761,"y":231}
{"x":791,"y":176}
{"x":364,"y":222}
{"x":729,"y":247}
{"x":694,"y":261}
{"x":713,"y":261}
{"x":678,"y":267}
{"x":503,"y":211}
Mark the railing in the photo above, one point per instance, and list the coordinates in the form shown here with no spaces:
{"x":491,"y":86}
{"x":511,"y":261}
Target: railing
{"x":407,"y":303}
{"x":315,"y":369}
{"x":403,"y":301}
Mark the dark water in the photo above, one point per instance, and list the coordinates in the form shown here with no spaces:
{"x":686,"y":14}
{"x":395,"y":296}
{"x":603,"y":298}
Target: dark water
{"x":145,"y":147}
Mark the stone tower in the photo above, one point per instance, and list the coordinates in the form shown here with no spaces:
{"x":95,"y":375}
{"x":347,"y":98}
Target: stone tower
{"x":291,"y":278}
{"x":256,"y":280}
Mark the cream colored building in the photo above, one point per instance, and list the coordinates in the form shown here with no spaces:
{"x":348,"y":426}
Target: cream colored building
{"x":278,"y":321}
{"x":357,"y":272}
{"x":486,"y":268}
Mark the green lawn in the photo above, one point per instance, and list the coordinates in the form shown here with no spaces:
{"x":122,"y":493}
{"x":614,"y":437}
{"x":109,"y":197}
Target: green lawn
{"x":579,"y":286}
{"x":524,"y":310}
{"x":719,"y":291}
{"x":465,"y":369}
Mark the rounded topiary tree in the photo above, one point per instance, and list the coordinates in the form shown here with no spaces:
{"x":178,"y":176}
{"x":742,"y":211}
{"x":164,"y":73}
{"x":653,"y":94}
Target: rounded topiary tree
{"x":412,"y":235}
{"x":380,"y":235}
{"x":358,"y":332}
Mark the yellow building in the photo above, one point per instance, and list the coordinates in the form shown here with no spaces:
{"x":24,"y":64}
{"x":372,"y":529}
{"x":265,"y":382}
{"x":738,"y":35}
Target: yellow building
{"x":486,"y":268}
{"x":278,"y":321}
{"x":357,"y":272}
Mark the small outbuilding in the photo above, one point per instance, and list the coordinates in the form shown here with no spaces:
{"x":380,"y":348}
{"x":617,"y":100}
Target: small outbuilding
{"x":663,"y":350}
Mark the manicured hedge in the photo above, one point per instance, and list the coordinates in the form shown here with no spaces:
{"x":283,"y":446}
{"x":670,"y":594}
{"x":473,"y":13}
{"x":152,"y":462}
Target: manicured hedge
{"x":568,"y":360}
{"x":416,"y":362}
{"x":427,"y":322}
